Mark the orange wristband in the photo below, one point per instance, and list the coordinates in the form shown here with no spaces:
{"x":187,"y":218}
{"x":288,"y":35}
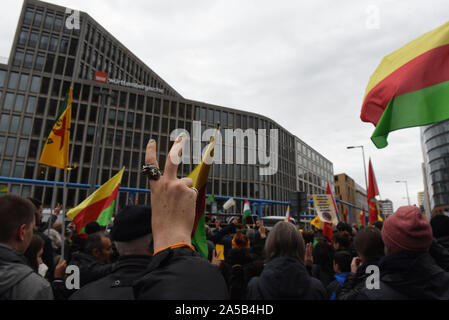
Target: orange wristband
{"x":174,"y":246}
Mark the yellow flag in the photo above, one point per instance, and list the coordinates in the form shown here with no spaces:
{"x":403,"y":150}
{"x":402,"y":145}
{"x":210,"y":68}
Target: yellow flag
{"x":316,"y":222}
{"x":56,"y":148}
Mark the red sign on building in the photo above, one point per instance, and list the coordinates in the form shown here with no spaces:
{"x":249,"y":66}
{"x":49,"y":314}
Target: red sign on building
{"x":101,"y":76}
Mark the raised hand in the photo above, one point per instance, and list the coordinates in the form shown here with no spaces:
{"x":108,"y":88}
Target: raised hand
{"x":172,"y":199}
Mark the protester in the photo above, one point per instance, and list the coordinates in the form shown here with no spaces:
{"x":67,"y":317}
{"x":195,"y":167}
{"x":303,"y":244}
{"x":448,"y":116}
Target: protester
{"x":132,"y":234}
{"x":93,"y":263}
{"x":41,"y":229}
{"x":18,"y":281}
{"x":342,"y":266}
{"x":408,"y":271}
{"x":176,"y":271}
{"x":34,"y":255}
{"x":321,"y":266}
{"x":234,"y":269}
{"x":440,"y":229}
{"x":285,"y":275}
{"x":370,"y":249}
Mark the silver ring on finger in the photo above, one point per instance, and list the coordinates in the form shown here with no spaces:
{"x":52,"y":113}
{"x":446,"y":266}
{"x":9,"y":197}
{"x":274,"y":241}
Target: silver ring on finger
{"x":152,"y":172}
{"x":194,"y":189}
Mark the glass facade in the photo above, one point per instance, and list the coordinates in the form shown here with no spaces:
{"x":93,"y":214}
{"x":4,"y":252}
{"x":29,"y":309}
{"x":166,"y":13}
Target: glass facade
{"x":48,"y":59}
{"x":435,"y":145}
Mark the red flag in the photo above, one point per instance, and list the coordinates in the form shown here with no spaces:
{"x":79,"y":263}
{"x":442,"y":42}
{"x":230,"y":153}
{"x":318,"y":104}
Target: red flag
{"x":372,"y":192}
{"x":362,"y":217}
{"x":329,"y":191}
{"x":327,"y":230}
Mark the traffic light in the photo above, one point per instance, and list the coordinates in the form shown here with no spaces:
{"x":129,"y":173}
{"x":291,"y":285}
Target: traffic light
{"x":299,"y":202}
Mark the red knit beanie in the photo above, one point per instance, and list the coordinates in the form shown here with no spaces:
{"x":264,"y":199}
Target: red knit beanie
{"x":407,"y":229}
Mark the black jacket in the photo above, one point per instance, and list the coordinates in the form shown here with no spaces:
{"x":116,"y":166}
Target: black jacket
{"x":444,"y":241}
{"x":408,"y":275}
{"x":285,"y":278}
{"x":181,"y":274}
{"x":355,"y":282}
{"x":118,"y":284}
{"x":318,"y":272}
{"x":90,"y":269}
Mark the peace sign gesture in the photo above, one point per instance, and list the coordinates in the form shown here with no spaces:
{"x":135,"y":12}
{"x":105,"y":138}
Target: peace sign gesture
{"x":172,"y":200}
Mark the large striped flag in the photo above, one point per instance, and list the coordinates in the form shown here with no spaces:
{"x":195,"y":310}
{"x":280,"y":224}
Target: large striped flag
{"x":99,"y":206}
{"x":410,"y":87}
{"x":199,"y":176}
{"x":56,"y":149}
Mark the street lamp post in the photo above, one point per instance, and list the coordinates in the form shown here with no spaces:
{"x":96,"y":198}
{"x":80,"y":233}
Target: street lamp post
{"x":93,"y":175}
{"x":406,"y":189}
{"x":364,"y":163}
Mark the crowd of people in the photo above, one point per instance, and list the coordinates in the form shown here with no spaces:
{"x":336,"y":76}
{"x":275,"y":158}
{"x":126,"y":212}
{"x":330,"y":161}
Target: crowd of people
{"x":147,"y":253}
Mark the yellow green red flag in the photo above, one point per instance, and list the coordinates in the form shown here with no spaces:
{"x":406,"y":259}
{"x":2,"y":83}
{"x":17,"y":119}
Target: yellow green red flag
{"x":56,"y":149}
{"x":98,"y":205}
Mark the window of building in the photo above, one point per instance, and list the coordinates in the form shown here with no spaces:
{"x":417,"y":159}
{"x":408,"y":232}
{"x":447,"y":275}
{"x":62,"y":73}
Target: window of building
{"x":18,"y":58}
{"x":28,"y":16}
{"x":6,"y":168}
{"x":40,"y":60}
{"x":73,"y":46}
{"x":26,"y":126}
{"x":58,"y":23}
{"x":32,"y":41}
{"x":18,"y":106}
{"x":69,"y":67}
{"x":64,"y":46}
{"x":13,"y":79}
{"x":130,"y":120}
{"x":35,"y":84}
{"x":4,"y":122}
{"x":10,"y":145}
{"x":53,"y":44}
{"x":23,"y":147}
{"x":9,"y":101}
{"x":31,"y":105}
{"x":118,"y":138}
{"x":38,"y":18}
{"x":48,"y":23}
{"x":60,"y":65}
{"x":28,"y":61}
{"x":23,"y":36}
{"x":120,"y":118}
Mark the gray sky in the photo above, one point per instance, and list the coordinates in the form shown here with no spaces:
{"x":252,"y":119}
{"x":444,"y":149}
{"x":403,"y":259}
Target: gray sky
{"x":303,"y":64}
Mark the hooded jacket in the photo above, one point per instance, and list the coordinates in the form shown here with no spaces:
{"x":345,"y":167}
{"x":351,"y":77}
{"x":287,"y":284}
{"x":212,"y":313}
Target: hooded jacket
{"x":18,"y":281}
{"x":285,"y":278}
{"x":408,"y":275}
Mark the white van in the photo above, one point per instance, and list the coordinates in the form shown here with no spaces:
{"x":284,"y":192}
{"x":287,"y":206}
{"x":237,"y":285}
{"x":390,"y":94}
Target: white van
{"x":270,"y":221}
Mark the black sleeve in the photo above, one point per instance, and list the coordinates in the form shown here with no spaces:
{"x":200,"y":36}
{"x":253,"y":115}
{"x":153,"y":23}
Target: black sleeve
{"x":440,"y":254}
{"x":350,"y":290}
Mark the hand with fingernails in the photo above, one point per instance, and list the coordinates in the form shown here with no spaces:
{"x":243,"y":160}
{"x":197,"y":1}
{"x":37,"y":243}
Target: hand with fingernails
{"x":172,"y":200}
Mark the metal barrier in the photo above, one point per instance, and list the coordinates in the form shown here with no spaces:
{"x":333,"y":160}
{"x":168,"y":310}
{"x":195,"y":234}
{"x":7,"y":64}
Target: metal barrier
{"x":256,"y":204}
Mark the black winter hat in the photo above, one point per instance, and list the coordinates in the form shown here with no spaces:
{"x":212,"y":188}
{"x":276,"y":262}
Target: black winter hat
{"x":131,"y":222}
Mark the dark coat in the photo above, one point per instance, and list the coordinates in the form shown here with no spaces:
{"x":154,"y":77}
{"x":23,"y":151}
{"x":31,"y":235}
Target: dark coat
{"x":355,"y":282}
{"x":90,"y":269}
{"x":408,"y":275}
{"x":18,"y":281}
{"x":444,"y":241}
{"x":285,"y":278}
{"x":48,"y":255}
{"x":118,"y":284}
{"x":334,"y":288}
{"x":321,"y":274}
{"x":181,"y":274}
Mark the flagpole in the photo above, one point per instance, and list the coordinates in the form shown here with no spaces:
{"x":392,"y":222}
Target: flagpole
{"x":64,"y":196}
{"x":53,"y":200}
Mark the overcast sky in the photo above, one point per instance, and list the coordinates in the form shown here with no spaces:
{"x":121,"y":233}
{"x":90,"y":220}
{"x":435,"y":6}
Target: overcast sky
{"x":304,"y":64}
